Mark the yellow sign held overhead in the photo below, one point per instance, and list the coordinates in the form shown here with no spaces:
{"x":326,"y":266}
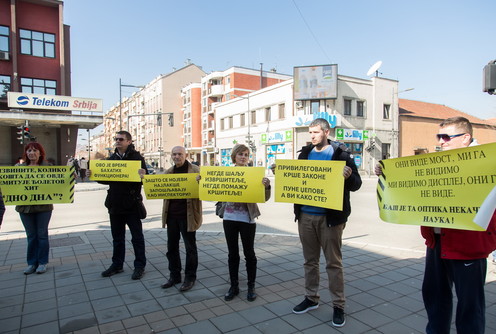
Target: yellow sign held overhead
{"x":33,"y":185}
{"x":443,"y":189}
{"x":232,"y":184}
{"x":310,"y":182}
{"x":115,"y":170}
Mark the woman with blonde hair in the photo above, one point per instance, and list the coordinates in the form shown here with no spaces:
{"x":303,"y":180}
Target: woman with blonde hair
{"x":239,"y":220}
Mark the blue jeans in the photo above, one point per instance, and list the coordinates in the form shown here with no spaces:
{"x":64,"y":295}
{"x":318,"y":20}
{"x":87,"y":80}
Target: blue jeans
{"x":36,"y":226}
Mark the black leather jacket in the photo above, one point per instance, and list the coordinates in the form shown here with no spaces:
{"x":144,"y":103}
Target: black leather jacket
{"x":353,"y":183}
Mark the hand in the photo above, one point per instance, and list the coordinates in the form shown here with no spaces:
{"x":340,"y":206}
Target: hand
{"x":378,"y":170}
{"x":142,"y":172}
{"x":198,"y":178}
{"x":347,"y":172}
{"x":266,"y":182}
{"x":88,"y":173}
{"x":273,"y":168}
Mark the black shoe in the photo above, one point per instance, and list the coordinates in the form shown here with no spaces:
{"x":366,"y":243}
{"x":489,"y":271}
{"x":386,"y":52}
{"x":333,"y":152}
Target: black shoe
{"x":338,"y":319}
{"x":233,"y":291}
{"x":187,"y":285}
{"x":138,"y":273}
{"x":251,"y":295}
{"x":305,"y":306}
{"x":170,"y":283}
{"x":112,"y":270}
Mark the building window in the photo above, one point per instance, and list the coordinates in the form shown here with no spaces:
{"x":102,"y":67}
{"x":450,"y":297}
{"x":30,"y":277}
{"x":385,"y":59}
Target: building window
{"x":282,"y":110}
{"x":315,"y":106}
{"x":222,"y":123}
{"x":38,"y":86}
{"x":386,"y":114}
{"x":359,"y":108}
{"x":39,"y":44}
{"x":4,"y":86}
{"x":242,"y":119}
{"x":267,"y":114}
{"x":253,"y":118}
{"x":347,"y":107}
{"x":4,"y":39}
{"x":230,"y":122}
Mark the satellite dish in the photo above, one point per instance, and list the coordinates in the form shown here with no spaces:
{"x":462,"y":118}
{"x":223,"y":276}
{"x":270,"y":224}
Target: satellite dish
{"x":374,"y":68}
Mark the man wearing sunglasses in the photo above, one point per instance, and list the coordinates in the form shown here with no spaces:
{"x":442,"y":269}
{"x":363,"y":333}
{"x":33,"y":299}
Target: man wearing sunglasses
{"x":456,"y":257}
{"x":122,"y":203}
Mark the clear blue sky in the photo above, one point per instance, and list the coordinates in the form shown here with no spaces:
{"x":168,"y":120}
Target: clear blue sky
{"x":437,"y":47}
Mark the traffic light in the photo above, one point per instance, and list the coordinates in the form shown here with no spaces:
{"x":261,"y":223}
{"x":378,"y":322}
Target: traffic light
{"x":171,"y":119}
{"x":26,"y":132}
{"x":20,"y":134}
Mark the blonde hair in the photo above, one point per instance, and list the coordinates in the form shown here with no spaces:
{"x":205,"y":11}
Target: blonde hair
{"x":238,"y":148}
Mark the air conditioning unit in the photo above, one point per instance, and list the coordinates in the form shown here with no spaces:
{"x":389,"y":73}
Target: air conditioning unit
{"x":299,"y":104}
{"x":4,"y":55}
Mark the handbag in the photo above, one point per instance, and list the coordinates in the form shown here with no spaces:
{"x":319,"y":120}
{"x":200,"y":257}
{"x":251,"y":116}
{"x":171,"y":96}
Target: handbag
{"x":220,"y":207}
{"x":141,"y":209}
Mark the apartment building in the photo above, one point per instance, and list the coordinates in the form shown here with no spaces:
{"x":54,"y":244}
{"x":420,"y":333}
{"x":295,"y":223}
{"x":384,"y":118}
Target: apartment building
{"x":221,"y":86}
{"x":35,"y":59}
{"x":154,"y":115}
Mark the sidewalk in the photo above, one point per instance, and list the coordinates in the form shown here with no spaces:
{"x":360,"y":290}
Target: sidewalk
{"x":382,"y":288}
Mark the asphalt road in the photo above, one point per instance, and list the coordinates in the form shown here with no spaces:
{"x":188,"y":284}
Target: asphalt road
{"x":364,"y":225}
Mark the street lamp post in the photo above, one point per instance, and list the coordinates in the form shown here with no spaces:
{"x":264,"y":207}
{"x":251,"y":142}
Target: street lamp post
{"x":120,"y":99}
{"x":251,"y":144}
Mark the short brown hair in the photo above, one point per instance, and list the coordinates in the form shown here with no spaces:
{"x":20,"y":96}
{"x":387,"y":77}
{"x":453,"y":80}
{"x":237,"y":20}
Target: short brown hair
{"x":238,"y":148}
{"x":460,"y":122}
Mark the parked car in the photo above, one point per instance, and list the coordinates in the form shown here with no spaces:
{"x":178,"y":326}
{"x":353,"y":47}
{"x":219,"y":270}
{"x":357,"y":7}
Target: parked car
{"x":150,"y":169}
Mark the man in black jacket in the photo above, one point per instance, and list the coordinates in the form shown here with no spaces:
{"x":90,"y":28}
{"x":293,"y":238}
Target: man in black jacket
{"x":323,"y":228}
{"x":122,"y":203}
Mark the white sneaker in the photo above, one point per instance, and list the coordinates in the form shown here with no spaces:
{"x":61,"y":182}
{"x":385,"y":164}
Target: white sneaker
{"x":42,"y":268}
{"x":29,"y":270}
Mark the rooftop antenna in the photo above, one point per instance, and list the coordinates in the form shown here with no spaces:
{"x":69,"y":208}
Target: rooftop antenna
{"x":374,"y":68}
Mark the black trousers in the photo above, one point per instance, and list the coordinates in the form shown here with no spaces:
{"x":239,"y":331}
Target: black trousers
{"x":175,"y":229}
{"x":247,"y":232}
{"x":469,"y":277}
{"x":118,"y":224}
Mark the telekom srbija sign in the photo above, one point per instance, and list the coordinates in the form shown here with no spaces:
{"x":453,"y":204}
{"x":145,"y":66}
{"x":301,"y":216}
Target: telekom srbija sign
{"x":53,"y":102}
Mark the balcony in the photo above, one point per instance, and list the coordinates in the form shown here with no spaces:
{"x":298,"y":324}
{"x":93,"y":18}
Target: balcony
{"x":216,"y":90}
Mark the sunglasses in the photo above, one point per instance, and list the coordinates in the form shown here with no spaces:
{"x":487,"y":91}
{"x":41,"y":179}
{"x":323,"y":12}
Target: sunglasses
{"x":446,"y":137}
{"x":119,"y":139}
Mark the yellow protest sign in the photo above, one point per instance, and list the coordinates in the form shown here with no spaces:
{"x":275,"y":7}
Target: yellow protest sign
{"x":442,"y":189}
{"x":310,"y":182}
{"x":171,"y":186}
{"x":33,"y":185}
{"x":115,"y":170}
{"x":232,"y":184}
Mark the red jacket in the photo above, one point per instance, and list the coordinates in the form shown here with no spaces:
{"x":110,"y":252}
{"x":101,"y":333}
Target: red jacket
{"x":463,"y":244}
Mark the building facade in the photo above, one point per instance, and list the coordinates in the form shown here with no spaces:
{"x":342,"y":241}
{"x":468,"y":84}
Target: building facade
{"x":364,"y":116}
{"x":35,"y":59}
{"x":419,"y":122}
{"x":221,"y":86}
{"x":153,"y":115}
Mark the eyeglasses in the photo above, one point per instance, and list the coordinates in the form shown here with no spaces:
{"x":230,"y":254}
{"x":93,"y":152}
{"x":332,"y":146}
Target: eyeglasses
{"x":119,"y":139}
{"x":445,"y":137}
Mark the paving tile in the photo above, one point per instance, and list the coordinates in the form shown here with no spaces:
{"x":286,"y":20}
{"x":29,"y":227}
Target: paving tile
{"x":204,"y":327}
{"x":70,"y":311}
{"x":47,"y":327}
{"x":229,"y":322}
{"x":39,"y":317}
{"x":276,"y":325}
{"x":112,"y":314}
{"x":76,"y":323}
{"x":143,"y":307}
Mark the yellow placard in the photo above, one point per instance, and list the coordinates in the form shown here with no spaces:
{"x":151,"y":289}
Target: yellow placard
{"x":115,"y":170}
{"x":442,"y":189}
{"x":232,"y":184}
{"x":33,"y":185}
{"x":171,"y":186}
{"x":310,"y":182}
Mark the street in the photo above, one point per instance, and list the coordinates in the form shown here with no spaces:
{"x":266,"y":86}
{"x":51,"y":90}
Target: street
{"x":363,"y":228}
